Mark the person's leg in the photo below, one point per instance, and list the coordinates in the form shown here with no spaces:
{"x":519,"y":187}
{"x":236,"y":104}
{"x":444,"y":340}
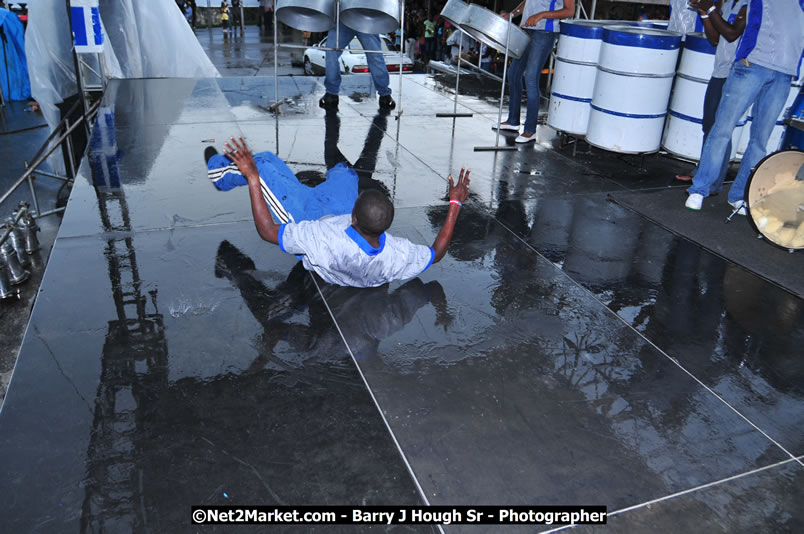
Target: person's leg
{"x":767,"y":107}
{"x":714,"y":92}
{"x":515,"y":72}
{"x":332,"y":80}
{"x":376,"y":63}
{"x":541,"y":45}
{"x":740,"y":90}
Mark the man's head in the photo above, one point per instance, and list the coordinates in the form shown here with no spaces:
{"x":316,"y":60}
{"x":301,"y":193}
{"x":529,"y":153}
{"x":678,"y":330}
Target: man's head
{"x":373,"y":213}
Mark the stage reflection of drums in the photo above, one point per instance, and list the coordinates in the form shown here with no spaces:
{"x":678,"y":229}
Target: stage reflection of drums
{"x":776,"y":198}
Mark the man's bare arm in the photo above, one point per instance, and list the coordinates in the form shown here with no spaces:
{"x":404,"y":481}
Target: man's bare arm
{"x":241,"y":155}
{"x":457,"y":196}
{"x":717,"y":25}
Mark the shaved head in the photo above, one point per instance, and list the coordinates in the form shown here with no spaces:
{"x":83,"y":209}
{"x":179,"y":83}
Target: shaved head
{"x":373,"y":212}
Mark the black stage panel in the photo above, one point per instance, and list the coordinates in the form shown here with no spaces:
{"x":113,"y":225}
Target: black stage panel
{"x":566,"y":351}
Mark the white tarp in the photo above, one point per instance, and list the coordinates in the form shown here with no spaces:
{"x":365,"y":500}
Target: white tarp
{"x":145,"y":39}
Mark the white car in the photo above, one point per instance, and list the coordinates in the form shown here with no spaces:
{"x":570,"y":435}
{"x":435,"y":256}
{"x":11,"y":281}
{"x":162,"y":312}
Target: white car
{"x":353,"y":59}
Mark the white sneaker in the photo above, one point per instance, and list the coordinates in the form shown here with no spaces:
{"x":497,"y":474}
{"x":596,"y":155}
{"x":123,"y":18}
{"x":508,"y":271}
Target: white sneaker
{"x":739,"y":205}
{"x":507,"y":127}
{"x":694,"y":202}
{"x":525,"y":139}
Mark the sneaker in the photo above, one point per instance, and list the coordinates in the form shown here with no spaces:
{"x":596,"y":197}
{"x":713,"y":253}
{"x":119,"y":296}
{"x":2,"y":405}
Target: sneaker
{"x":711,"y":193}
{"x":328,"y":101}
{"x":208,"y":153}
{"x":694,"y":202}
{"x":739,"y":205}
{"x":507,"y":127}
{"x":525,"y":138}
{"x":386,"y":102}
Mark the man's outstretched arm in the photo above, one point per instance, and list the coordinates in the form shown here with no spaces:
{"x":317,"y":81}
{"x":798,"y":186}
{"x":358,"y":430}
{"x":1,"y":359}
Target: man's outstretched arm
{"x":241,"y":155}
{"x":457,"y":196}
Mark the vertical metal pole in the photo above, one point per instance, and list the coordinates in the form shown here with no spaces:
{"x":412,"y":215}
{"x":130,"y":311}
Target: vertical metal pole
{"x":69,"y":143}
{"x":594,"y":9}
{"x":505,"y":73}
{"x":458,"y":77}
{"x":337,"y":30}
{"x":276,"y":63}
{"x":209,"y":17}
{"x":242,"y":20}
{"x":401,"y":52}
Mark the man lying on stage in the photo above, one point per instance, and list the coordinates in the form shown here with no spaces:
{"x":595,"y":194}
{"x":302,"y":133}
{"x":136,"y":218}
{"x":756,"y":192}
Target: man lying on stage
{"x":338,"y":234}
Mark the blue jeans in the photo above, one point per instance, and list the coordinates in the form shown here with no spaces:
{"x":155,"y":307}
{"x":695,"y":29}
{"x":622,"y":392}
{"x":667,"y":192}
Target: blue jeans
{"x":767,"y":89}
{"x":376,"y":62}
{"x":714,"y":92}
{"x":530,"y":65}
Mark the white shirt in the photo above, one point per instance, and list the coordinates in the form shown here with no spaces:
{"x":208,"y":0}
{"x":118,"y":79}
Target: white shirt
{"x":340,"y":255}
{"x":726,"y":51}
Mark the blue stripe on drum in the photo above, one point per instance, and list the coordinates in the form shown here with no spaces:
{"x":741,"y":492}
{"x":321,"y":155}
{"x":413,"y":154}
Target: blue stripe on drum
{"x":685,"y":117}
{"x":581,"y":31}
{"x":638,"y":38}
{"x":573,"y":98}
{"x":700,"y":44}
{"x":628,"y":115}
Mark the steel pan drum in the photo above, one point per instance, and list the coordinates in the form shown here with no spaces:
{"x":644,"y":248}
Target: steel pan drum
{"x":488,"y":27}
{"x":454,"y":11}
{"x":307,"y":15}
{"x":776,"y":198}
{"x":370,"y":16}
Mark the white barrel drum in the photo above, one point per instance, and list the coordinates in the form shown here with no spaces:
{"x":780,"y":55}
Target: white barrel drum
{"x":683,"y":134}
{"x":632,"y":89}
{"x":574,"y":78}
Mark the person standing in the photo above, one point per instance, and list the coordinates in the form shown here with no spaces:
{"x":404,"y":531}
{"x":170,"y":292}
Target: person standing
{"x":224,"y":16}
{"x":723,"y":28}
{"x":267,"y":15}
{"x":236,"y":19}
{"x":376,"y":63}
{"x":539,"y":20}
{"x":429,"y":39}
{"x":767,"y":58}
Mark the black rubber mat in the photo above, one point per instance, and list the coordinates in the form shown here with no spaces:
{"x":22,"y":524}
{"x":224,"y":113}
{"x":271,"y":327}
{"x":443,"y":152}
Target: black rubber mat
{"x":736,"y":241}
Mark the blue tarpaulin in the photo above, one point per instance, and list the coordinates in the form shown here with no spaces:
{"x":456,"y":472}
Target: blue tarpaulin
{"x":13,"y":65}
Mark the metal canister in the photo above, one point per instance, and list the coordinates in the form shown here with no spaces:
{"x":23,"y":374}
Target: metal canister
{"x":5,"y":283}
{"x":17,"y":240}
{"x":16,"y":273}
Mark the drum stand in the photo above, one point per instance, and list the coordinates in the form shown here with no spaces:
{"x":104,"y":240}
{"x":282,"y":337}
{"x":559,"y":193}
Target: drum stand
{"x":455,"y":113}
{"x":277,"y":103}
{"x":497,"y":146}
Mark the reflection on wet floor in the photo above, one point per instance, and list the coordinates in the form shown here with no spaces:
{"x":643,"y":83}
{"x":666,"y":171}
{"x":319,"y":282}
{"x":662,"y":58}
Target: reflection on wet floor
{"x":566,"y":351}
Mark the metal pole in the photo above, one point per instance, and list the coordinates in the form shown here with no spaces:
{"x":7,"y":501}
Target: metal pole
{"x":78,"y":81}
{"x":594,"y":9}
{"x":458,"y":76}
{"x":276,"y":66}
{"x":401,"y":54}
{"x":242,"y":21}
{"x":44,"y":156}
{"x":502,"y":98}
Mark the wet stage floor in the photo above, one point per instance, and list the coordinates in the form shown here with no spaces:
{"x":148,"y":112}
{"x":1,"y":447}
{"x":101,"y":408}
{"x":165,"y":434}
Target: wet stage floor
{"x":566,"y":351}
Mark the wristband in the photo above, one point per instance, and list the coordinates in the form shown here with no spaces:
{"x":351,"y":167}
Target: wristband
{"x":709,"y":11}
{"x":704,"y":16}
{"x":456,"y":202}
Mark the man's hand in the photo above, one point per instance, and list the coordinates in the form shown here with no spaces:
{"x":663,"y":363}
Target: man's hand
{"x":702,"y":5}
{"x":505,"y":15}
{"x":241,"y":155}
{"x":533,"y":20}
{"x":460,"y":192}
